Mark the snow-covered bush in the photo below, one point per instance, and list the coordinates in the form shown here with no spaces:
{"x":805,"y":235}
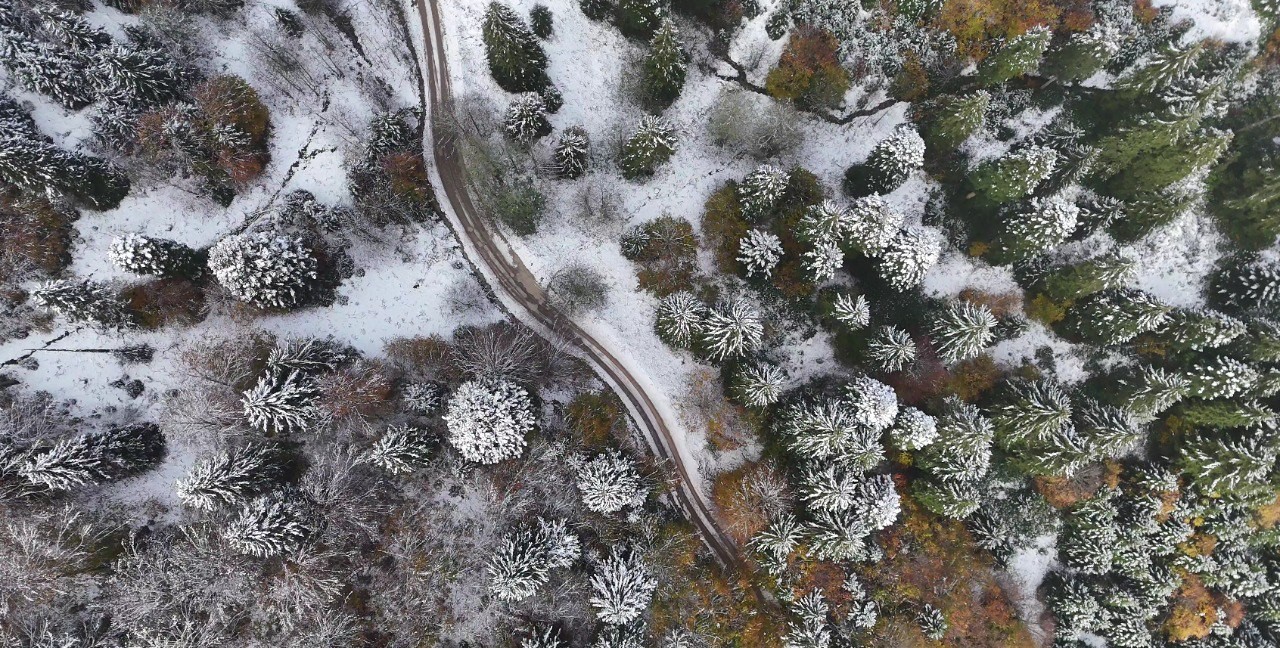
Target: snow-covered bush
{"x":488,"y":419}
{"x":264,"y":270}
{"x":608,"y":482}
{"x":622,"y":587}
{"x":649,"y":147}
{"x":526,"y":119}
{"x":145,"y":255}
{"x":424,"y":398}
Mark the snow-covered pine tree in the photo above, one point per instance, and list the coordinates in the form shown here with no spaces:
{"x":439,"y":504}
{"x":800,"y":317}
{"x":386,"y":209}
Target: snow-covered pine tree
{"x":519,"y":566}
{"x":562,"y":544}
{"x":949,"y":120}
{"x":1230,"y":414}
{"x":871,"y":498}
{"x":1082,"y":54}
{"x":904,"y":262}
{"x":83,"y":301}
{"x":873,"y":404}
{"x":962,"y":451}
{"x":543,"y":637}
{"x":825,"y":430}
{"x":308,"y":355}
{"x":30,"y":162}
{"x":891,"y":349}
{"x":851,"y":311}
{"x":776,"y":542}
{"x":871,"y":225}
{"x":137,"y":75}
{"x":424,"y":398}
{"x":488,"y":420}
{"x":679,"y":318}
{"x":229,"y":477}
{"x":1044,"y":224}
{"x":526,"y":119}
{"x":1162,"y":68}
{"x":761,"y":192}
{"x":401,"y":449}
{"x":1032,"y":411}
{"x":1220,"y":377}
{"x":516,"y":59}
{"x":270,"y":525}
{"x":1198,"y":329}
{"x":759,"y":252}
{"x":1090,"y":535}
{"x":640,"y":19}
{"x":1015,"y":175}
{"x":809,"y":627}
{"x":664,"y":67}
{"x":890,"y":163}
{"x":596,"y":9}
{"x":282,"y":403}
{"x":933,"y":624}
{"x":1262,"y":344}
{"x":1109,"y":431}
{"x":1117,"y":316}
{"x":1152,"y":390}
{"x":1225,"y":465}
{"x":1075,"y":604}
{"x":839,"y":536}
{"x":1247,"y":282}
{"x":732,"y":329}
{"x":622,"y":588}
{"x":821,"y":261}
{"x":649,"y":147}
{"x":1088,"y":277}
{"x":609,"y":482}
{"x":38,"y":67}
{"x":758,"y":385}
{"x":146,"y":255}
{"x":94,"y":456}
{"x":954,"y":499}
{"x":1016,"y":57}
{"x":572,"y":153}
{"x":962,"y":330}
{"x":72,"y":31}
{"x":914,"y":430}
{"x":263,"y":269}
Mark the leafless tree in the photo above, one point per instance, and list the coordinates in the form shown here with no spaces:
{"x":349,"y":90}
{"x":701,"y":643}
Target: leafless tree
{"x":503,"y":350}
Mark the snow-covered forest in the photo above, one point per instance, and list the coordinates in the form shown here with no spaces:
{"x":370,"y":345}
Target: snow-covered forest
{"x":639,"y":323}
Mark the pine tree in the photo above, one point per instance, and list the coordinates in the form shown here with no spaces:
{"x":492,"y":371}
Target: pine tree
{"x":72,"y":31}
{"x":1199,"y":329}
{"x":145,"y":255}
{"x":962,"y":451}
{"x":822,"y":260}
{"x":1015,"y":175}
{"x":308,"y":355}
{"x":1171,"y":163}
{"x":1032,"y":411}
{"x":640,"y":19}
{"x":731,"y":329}
{"x":891,"y":349}
{"x":954,"y":499}
{"x":608,"y":482}
{"x":851,"y":311}
{"x":949,"y":120}
{"x":907,"y":258}
{"x":933,"y":624}
{"x":679,"y":319}
{"x":1044,"y":224}
{"x":890,"y":163}
{"x":1117,"y":316}
{"x":596,"y":9}
{"x":1109,"y":431}
{"x":1075,"y":604}
{"x":138,"y":75}
{"x":809,"y":627}
{"x":759,"y":253}
{"x":1083,"y":54}
{"x":1162,"y":68}
{"x":488,"y":419}
{"x":55,"y":72}
{"x":229,"y":477}
{"x":94,"y":456}
{"x":649,"y":147}
{"x":270,"y":525}
{"x":526,"y":120}
{"x":1220,"y":377}
{"x":83,"y":301}
{"x":872,"y":499}
{"x":1100,"y":273}
{"x":962,"y":330}
{"x":542,"y":21}
{"x":518,"y":568}
{"x":824,"y":222}
{"x":761,"y":192}
{"x":839,"y":536}
{"x":401,"y":449}
{"x":1226,"y":465}
{"x":873,"y":404}
{"x":664,"y":67}
{"x":872,"y":225}
{"x":1230,"y":414}
{"x":825,"y":429}
{"x":572,"y":153}
{"x":282,"y":403}
{"x":1247,"y":283}
{"x":758,"y":385}
{"x":777,"y":541}
{"x":543,"y":637}
{"x":516,"y":59}
{"x":914,"y":430}
{"x":264,"y":270}
{"x":1090,"y":536}
{"x":34,"y":164}
{"x":1262,"y":344}
{"x":1153,"y":390}
{"x":622,"y":587}
{"x":1018,"y":56}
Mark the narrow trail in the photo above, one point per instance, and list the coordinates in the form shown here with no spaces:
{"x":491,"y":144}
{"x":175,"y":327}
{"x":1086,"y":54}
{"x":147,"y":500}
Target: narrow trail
{"x":519,"y":290}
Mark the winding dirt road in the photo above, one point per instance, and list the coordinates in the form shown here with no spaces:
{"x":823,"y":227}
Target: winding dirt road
{"x":519,"y":290}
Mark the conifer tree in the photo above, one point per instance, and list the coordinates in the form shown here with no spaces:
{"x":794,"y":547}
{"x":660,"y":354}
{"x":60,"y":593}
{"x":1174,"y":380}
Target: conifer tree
{"x":954,"y":499}
{"x":1117,"y":316}
{"x":1090,"y":535}
{"x":891,"y":349}
{"x":608,"y":482}
{"x":777,"y":541}
{"x":1082,"y":54}
{"x":914,"y":430}
{"x":873,"y":404}
{"x":1075,"y":604}
{"x":83,"y":301}
{"x":401,"y":449}
{"x":851,"y":311}
{"x":282,"y":403}
{"x":518,"y":568}
{"x":1230,"y":414}
{"x":1043,"y":225}
{"x":31,"y":163}
{"x":664,"y":67}
{"x":1162,"y":68}
{"x":1247,"y":282}
{"x":822,"y":260}
{"x":1017,"y":56}
{"x":1220,"y":377}
{"x":962,"y":451}
{"x":1226,"y":465}
{"x":949,"y":120}
{"x":732,"y":329}
{"x":808,"y":628}
{"x":526,"y":120}
{"x":1262,"y":344}
{"x":933,"y":624}
{"x":1153,"y":390}
{"x":270,"y":525}
{"x":516,"y":59}
{"x":1199,"y":329}
{"x":1015,"y":175}
{"x":1088,"y":277}
{"x":622,"y":586}
{"x":488,"y":419}
{"x":962,"y":330}
{"x":229,"y":477}
{"x":826,"y":429}
{"x":649,"y":147}
{"x":839,"y":536}
{"x":680,"y":316}
{"x":824,"y":222}
{"x":264,"y":269}
{"x":543,"y":637}
{"x":758,"y":385}
{"x":52,"y":71}
{"x":572,"y":153}
{"x":761,"y":192}
{"x":596,"y":9}
{"x":870,"y":225}
{"x":904,"y":262}
{"x":640,"y":19}
{"x":759,"y":253}
{"x":890,"y":163}
{"x":1032,"y":411}
{"x":139,"y":75}
{"x":145,"y":255}
{"x":93,"y":457}
{"x":1109,"y":431}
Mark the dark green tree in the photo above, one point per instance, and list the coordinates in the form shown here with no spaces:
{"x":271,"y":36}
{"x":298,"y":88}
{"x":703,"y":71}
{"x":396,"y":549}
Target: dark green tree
{"x":516,"y":60}
{"x":664,"y":68}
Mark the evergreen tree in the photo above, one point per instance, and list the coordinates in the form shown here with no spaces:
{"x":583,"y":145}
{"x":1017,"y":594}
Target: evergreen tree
{"x":1075,"y":604}
{"x":1090,"y":536}
{"x":32,"y":164}
{"x":1226,"y":465}
{"x":1015,"y":175}
{"x":827,"y":430}
{"x":664,"y":67}
{"x":1247,"y":283}
{"x":777,"y":541}
{"x":870,"y":225}
{"x":949,"y":120}
{"x":544,"y":637}
{"x":891,"y":162}
{"x":139,"y":75}
{"x":731,"y":329}
{"x":1230,"y":414}
{"x":822,"y":260}
{"x":572,"y":153}
{"x":1220,"y":377}
{"x":488,"y":419}
{"x":1153,"y":390}
{"x":609,"y":482}
{"x":519,"y":567}
{"x":907,"y":258}
{"x":809,"y":628}
{"x":72,"y":31}
{"x":649,"y":147}
{"x":282,"y":403}
{"x":933,"y":624}
{"x":83,"y":301}
{"x":761,"y":192}
{"x":824,"y":222}
{"x":516,"y":59}
{"x":758,"y":385}
{"x":954,"y":499}
{"x":1162,"y":68}
{"x":1032,"y":411}
{"x":680,"y":316}
{"x":759,"y":253}
{"x":229,"y":477}
{"x":526,"y":120}
{"x":401,"y":449}
{"x":1199,"y":329}
{"x":1108,"y":431}
{"x":1016,"y":57}
{"x":962,"y":451}
{"x":1083,"y":54}
{"x":1088,"y":277}
{"x":1045,"y":224}
{"x":891,"y":349}
{"x":873,"y":404}
{"x":1117,"y":316}
{"x":270,"y":525}
{"x":839,"y":536}
{"x":1169,"y":164}
{"x":424,"y":398}
{"x":263,"y":269}
{"x":145,"y":255}
{"x":622,"y":587}
{"x":640,"y":19}
{"x":962,"y":330}
{"x":54,"y":72}
{"x":542,"y":21}
{"x":596,"y":9}
{"x":1262,"y":344}
{"x":94,"y":456}
{"x":851,"y":311}
{"x":914,"y":430}
{"x":309,"y":355}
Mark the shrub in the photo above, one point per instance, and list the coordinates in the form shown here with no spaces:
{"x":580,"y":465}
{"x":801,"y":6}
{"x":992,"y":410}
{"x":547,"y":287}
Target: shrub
{"x":35,"y":236}
{"x":666,"y":249}
{"x":162,"y":302}
{"x":519,"y":205}
{"x":809,"y":71}
{"x":594,"y":417}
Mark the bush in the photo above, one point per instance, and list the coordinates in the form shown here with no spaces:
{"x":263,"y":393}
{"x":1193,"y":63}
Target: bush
{"x":35,"y":237}
{"x":723,"y":226}
{"x":578,"y":289}
{"x":666,"y":249}
{"x":519,"y":205}
{"x":763,"y":129}
{"x":594,"y":417}
{"x":163,"y":302}
{"x":809,"y":71}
